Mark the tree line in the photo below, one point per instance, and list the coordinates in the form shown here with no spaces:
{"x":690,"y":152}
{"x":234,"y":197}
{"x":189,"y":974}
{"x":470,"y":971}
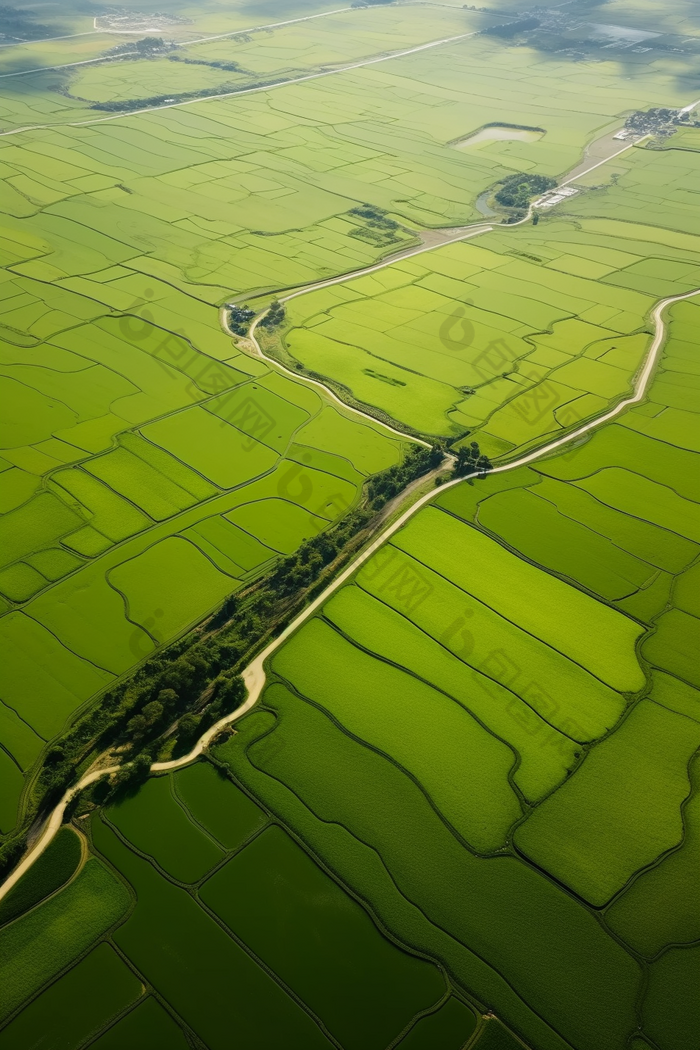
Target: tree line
{"x":192,"y":683}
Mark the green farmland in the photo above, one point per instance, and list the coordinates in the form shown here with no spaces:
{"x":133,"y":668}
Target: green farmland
{"x":571,"y":816}
{"x":307,"y":740}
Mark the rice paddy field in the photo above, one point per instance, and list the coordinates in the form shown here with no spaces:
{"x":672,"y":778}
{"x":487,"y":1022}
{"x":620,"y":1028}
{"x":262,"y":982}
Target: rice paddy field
{"x":514,"y":336}
{"x":463,"y":812}
{"x":532,"y":636}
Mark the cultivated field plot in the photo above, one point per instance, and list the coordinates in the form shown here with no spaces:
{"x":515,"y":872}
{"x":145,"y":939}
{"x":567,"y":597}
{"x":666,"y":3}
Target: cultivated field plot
{"x":540,"y":331}
{"x":148,"y":467}
{"x":114,"y":552}
{"x":229,"y":919}
{"x":533,"y":637}
{"x":652,"y":188}
{"x":466,"y":804}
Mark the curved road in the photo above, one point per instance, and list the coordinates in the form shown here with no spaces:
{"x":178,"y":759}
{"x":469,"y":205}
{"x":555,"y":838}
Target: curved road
{"x":330,"y":394}
{"x":432,"y":239}
{"x":246,"y":91}
{"x":254,"y":674}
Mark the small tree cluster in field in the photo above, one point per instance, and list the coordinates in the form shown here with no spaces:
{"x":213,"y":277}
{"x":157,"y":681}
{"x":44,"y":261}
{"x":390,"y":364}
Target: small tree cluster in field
{"x":390,"y":482}
{"x":518,"y":190}
{"x":302,"y":568}
{"x":150,"y":43}
{"x":469,"y":460}
{"x":232,"y":67}
{"x":147,"y":45}
{"x":274,"y":316}
{"x":378,"y":228}
{"x":130,"y":777}
{"x":239,"y":318}
{"x":511,"y":28}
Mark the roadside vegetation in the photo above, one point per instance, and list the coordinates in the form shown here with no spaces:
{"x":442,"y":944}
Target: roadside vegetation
{"x":175,"y":696}
{"x":518,"y":190}
{"x":472,"y":773}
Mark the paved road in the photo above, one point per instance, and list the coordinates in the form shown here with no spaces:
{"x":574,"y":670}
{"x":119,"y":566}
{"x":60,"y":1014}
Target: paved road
{"x":247,"y":91}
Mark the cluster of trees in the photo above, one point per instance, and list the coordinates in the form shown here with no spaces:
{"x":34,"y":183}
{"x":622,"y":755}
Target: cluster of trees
{"x":302,"y":568}
{"x":151,"y":43}
{"x":239,"y":318}
{"x":126,"y":105}
{"x":389,"y":483}
{"x":378,"y":228}
{"x":471,"y":459}
{"x":511,"y":29}
{"x":229,"y":696}
{"x":196,"y":680}
{"x":231,"y":67}
{"x":518,"y":190}
{"x":148,"y":45}
{"x":141,"y":708}
{"x":274,"y":316}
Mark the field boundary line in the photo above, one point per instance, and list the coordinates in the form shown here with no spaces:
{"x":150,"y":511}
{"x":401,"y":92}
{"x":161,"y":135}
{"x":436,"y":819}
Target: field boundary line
{"x":254,"y":674}
{"x":246,"y":91}
{"x":331,"y":394}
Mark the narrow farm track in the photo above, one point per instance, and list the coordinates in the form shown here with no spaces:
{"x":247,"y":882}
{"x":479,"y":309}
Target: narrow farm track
{"x":254,"y":674}
{"x":139,"y":32}
{"x":431,"y":240}
{"x":247,"y":91}
{"x":97,"y":31}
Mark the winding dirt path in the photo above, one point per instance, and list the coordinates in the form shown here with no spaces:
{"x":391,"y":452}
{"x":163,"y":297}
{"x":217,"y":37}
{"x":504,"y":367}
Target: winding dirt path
{"x":430,"y":241}
{"x":254,"y":674}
